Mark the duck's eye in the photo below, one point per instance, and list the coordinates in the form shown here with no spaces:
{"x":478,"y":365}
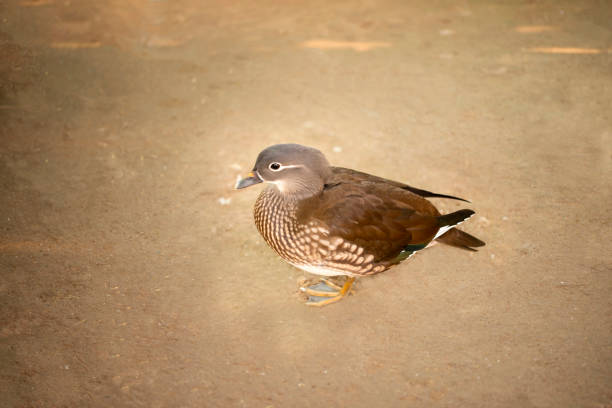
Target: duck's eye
{"x":275,"y":166}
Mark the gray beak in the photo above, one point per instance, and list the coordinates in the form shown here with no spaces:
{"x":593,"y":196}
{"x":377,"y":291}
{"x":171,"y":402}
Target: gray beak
{"x":252,"y":178}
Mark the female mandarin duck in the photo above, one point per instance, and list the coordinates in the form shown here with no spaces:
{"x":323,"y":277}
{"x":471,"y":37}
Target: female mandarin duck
{"x":335,"y":221}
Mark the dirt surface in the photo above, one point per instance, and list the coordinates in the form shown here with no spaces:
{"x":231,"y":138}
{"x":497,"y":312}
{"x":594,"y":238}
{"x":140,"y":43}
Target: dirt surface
{"x":131,"y":273}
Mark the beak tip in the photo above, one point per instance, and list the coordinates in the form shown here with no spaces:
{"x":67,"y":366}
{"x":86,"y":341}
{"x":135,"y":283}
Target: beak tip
{"x":251,"y":179}
{"x":237,"y":183}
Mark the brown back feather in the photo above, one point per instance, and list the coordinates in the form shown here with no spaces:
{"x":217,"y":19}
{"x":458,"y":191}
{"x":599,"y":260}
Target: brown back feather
{"x":381,"y":218}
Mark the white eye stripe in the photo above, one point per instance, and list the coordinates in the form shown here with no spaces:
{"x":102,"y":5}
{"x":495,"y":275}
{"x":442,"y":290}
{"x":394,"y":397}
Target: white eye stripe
{"x":281,"y":167}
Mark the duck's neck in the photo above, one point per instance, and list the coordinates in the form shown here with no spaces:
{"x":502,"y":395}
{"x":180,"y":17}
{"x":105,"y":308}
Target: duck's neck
{"x":276,"y":219}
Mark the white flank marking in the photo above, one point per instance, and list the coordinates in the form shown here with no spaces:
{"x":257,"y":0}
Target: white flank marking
{"x":320,"y":270}
{"x":442,"y":230}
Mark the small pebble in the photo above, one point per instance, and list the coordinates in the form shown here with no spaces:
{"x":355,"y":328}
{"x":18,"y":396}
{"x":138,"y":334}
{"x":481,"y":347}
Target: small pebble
{"x":224,"y":201}
{"x":337,"y":149}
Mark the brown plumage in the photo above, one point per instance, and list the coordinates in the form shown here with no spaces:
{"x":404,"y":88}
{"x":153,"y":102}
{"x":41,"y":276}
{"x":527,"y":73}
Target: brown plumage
{"x":336,"y":221}
{"x":453,"y":237}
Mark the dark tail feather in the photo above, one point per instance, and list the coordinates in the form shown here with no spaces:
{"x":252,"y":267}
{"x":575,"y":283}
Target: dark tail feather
{"x":460,"y":239}
{"x":425,"y":193}
{"x":453,"y":236}
{"x":455,"y":218}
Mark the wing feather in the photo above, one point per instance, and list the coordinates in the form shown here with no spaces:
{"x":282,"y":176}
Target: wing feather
{"x":381,"y":219}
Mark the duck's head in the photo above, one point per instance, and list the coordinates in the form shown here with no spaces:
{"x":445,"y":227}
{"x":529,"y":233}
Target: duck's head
{"x":295,"y":170}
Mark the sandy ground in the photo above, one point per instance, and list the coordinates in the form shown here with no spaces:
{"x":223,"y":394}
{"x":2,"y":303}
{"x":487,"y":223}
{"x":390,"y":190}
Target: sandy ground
{"x":132,"y":274}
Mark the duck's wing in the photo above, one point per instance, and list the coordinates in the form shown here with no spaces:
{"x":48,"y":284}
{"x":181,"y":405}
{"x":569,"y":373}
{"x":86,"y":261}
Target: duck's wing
{"x":372,"y":218}
{"x":341,"y":174}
